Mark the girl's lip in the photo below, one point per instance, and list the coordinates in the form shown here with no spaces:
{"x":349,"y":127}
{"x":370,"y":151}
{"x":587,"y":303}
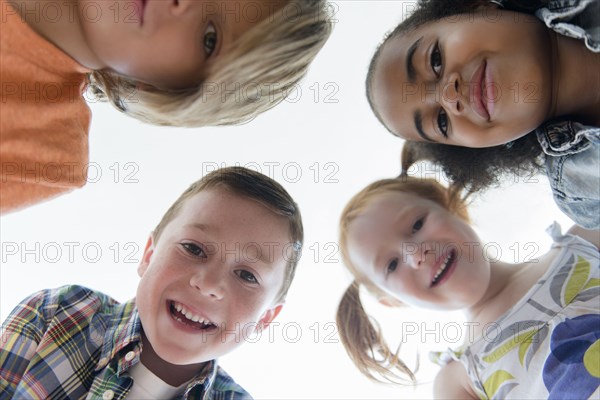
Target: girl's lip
{"x":453,"y":254}
{"x":479,"y":98}
{"x":140,"y":7}
{"x":490,"y":95}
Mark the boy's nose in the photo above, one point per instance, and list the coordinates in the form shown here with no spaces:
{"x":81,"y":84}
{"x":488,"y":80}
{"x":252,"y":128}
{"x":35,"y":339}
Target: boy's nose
{"x":209,"y":282}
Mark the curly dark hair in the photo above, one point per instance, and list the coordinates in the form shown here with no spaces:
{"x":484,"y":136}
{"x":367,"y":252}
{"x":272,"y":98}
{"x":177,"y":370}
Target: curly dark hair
{"x":474,"y":169}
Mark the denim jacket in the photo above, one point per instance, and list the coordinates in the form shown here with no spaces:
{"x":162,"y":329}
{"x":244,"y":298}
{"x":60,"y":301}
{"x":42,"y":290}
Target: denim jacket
{"x":573,"y":149}
{"x":573,"y":168}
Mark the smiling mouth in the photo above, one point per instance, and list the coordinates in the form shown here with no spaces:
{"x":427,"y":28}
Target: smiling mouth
{"x":141,"y":11}
{"x":184,"y":316}
{"x":479,"y":92}
{"x":447,"y":265}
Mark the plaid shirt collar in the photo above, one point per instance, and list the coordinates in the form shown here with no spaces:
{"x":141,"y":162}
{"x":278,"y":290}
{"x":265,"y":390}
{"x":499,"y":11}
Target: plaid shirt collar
{"x":125,"y":336}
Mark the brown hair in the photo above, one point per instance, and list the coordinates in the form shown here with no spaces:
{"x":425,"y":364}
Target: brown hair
{"x":360,"y":334}
{"x":262,"y":69}
{"x":256,"y":186}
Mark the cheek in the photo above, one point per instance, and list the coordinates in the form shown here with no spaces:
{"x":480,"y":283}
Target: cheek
{"x":403,"y":286}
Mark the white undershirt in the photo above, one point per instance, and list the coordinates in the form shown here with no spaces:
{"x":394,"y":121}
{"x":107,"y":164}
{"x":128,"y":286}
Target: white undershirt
{"x":148,"y":386}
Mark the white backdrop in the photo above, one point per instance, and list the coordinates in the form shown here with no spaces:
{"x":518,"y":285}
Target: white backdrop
{"x":323,"y":145}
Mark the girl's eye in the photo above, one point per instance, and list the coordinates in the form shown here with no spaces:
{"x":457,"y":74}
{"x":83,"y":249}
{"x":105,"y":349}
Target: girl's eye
{"x":247,"y":276}
{"x":436,"y":59}
{"x":392,"y":266}
{"x":442,"y":123}
{"x":210,"y":39}
{"x":194,"y":250}
{"x":418,"y":225}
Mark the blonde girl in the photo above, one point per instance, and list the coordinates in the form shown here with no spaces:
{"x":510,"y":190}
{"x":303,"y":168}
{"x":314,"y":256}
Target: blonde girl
{"x":408,"y":241}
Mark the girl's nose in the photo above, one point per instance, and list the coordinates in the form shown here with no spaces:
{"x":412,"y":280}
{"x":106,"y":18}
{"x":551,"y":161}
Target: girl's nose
{"x":418,"y":258}
{"x":415,"y":260}
{"x":179,"y":7}
{"x":452,"y":98}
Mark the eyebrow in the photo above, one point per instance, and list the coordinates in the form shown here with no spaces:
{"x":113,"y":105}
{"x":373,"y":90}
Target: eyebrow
{"x":202,"y":227}
{"x":264,"y":258}
{"x":418,"y":118}
{"x":411,"y":72}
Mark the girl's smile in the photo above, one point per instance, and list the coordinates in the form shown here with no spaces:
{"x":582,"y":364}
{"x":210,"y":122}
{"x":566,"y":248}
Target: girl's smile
{"x":418,"y":253}
{"x":444,"y":267}
{"x":476,"y":80}
{"x":140,"y":7}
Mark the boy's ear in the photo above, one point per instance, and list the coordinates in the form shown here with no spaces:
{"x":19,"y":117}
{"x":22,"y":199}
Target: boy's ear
{"x":390,"y":301}
{"x":145,"y":261}
{"x":269,"y":316}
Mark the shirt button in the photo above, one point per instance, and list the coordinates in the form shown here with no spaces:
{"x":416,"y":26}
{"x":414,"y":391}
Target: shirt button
{"x":108,"y":395}
{"x":130,"y":356}
{"x":102,"y":363}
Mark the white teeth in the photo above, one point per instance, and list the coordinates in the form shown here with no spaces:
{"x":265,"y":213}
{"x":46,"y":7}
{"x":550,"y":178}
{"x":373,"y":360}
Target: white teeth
{"x":190,"y":315}
{"x":443,"y":266}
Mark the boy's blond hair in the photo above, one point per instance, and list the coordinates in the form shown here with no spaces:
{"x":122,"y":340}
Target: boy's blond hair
{"x":255,"y":186}
{"x":262,"y":68}
{"x":360,"y":334}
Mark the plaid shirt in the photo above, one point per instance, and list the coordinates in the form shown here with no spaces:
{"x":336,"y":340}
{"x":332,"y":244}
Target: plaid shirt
{"x":74,"y":343}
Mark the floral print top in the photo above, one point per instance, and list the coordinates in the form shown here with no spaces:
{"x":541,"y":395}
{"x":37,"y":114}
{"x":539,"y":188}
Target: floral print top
{"x":547,"y":346}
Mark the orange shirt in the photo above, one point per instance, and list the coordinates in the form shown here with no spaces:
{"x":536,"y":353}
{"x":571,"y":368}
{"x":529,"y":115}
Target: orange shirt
{"x":44,"y":119}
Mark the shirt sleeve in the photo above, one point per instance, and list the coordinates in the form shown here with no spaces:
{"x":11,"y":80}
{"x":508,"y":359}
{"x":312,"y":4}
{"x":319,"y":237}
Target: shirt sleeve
{"x":575,"y":182}
{"x":20,"y":335}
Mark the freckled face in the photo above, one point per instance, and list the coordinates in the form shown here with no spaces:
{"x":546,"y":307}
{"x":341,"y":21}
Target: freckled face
{"x":475,"y":80}
{"x":167,"y":43}
{"x":419,"y":253}
{"x":212,"y":277}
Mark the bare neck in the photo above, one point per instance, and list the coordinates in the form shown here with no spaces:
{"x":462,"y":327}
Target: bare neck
{"x":172,"y":374}
{"x":576,"y":80}
{"x":509,"y":283}
{"x":59,"y":22}
{"x":495,"y":299}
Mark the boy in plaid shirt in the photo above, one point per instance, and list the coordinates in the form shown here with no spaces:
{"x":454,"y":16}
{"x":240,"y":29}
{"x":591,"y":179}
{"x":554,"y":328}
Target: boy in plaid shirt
{"x":217,"y":267}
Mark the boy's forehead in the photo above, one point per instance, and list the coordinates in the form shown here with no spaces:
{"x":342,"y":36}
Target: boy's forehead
{"x":221,"y":210}
{"x":220,"y":200}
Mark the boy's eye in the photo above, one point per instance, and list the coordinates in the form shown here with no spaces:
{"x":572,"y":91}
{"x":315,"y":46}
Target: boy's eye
{"x":418,"y":225}
{"x":194,"y":250}
{"x":392,"y":266}
{"x":436,"y":59}
{"x":247,"y":276}
{"x":442,"y":122}
{"x":210,"y":39}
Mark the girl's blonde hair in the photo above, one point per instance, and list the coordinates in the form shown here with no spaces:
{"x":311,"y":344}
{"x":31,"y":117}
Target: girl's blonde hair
{"x":263,"y":67}
{"x":360,"y":334}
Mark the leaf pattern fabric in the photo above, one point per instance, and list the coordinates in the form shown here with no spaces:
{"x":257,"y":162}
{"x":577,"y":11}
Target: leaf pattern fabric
{"x":547,"y":346}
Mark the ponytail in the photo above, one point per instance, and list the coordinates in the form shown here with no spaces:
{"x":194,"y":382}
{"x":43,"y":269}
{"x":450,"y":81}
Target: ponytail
{"x":363,"y":340}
